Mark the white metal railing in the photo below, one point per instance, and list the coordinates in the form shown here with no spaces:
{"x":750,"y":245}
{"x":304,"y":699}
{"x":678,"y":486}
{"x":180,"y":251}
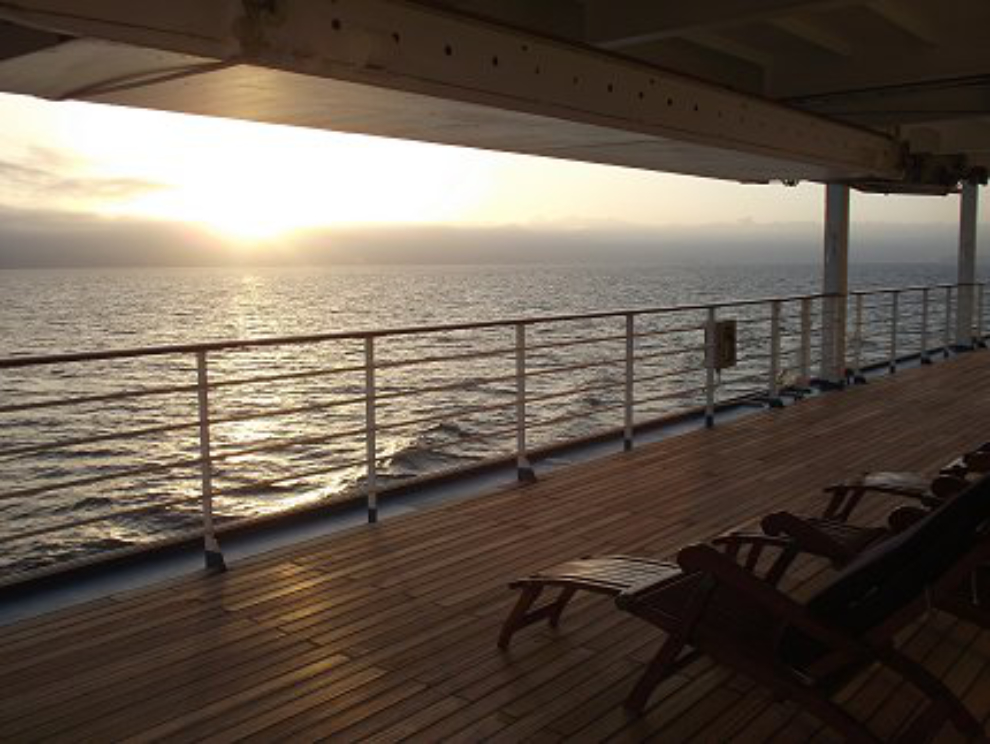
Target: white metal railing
{"x":109,"y":449}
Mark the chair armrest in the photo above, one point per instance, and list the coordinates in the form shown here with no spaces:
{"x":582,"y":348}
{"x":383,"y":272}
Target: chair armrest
{"x":747,"y":548}
{"x":808,"y":538}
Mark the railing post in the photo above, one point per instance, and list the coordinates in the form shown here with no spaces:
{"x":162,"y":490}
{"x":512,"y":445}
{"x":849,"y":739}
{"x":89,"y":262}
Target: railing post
{"x":947,"y":340}
{"x":980,"y":341}
{"x":627,"y":439}
{"x":925,"y":300}
{"x":773,"y":389}
{"x":211,"y":547}
{"x":524,"y":469}
{"x":858,"y":360}
{"x":710,"y":369}
{"x":805,"y":341}
{"x":371,"y":429}
{"x":894,"y":307}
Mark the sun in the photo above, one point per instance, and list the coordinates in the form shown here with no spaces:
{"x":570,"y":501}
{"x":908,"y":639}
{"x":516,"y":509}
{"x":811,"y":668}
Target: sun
{"x":253,"y":182}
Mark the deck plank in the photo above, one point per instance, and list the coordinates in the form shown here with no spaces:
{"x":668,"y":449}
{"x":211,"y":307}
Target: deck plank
{"x":386,"y":633}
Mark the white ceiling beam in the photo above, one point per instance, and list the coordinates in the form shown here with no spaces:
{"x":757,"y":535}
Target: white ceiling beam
{"x":399,"y":69}
{"x":620,"y":24}
{"x":815,"y":35}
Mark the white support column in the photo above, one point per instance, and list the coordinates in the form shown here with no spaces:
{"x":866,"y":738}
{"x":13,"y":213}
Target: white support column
{"x":965,"y":299}
{"x":835,"y":283}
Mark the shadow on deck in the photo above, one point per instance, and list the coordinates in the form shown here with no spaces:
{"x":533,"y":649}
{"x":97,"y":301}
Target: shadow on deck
{"x":389,"y":632}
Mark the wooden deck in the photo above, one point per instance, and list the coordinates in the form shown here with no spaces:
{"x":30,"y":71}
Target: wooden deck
{"x":388,"y":632}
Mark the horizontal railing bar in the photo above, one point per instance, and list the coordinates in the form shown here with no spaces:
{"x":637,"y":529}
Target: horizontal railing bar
{"x":268,"y":483}
{"x":279,"y":412}
{"x":15,"y":362}
{"x":135,"y":511}
{"x":459,"y":385}
{"x":308,"y":374}
{"x":663,"y":354}
{"x":573,"y":343}
{"x":754,"y":356}
{"x":104,"y":398}
{"x":445,"y":358}
{"x":610,"y":385}
{"x":104,"y":478}
{"x":750,"y":321}
{"x":744,"y":378}
{"x":670,"y":396}
{"x":35,"y":449}
{"x":572,"y":416}
{"x":446,"y":416}
{"x":488,"y":435}
{"x":573,"y":367}
{"x":286,"y":444}
{"x":669,"y":331}
{"x":668,"y":375}
{"x":911,"y":288}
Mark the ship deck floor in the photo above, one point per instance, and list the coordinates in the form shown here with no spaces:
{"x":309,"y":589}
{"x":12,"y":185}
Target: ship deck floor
{"x":388,"y":632}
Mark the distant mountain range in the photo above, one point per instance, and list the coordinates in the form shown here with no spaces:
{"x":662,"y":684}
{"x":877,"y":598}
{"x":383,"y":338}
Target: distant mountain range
{"x":36,"y":239}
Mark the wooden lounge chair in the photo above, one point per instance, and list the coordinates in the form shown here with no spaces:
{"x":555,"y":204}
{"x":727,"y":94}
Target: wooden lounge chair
{"x":806,"y":651}
{"x":846,"y":495}
{"x":611,"y":575}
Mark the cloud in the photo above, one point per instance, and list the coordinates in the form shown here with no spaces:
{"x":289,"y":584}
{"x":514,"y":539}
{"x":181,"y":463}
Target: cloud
{"x":53,"y":177}
{"x":49,"y":238}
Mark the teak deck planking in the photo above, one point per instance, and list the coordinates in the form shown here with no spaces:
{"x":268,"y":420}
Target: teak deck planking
{"x":388,"y":632}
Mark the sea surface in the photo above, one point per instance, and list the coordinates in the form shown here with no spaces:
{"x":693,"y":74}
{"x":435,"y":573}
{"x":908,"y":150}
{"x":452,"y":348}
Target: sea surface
{"x":119,"y":465}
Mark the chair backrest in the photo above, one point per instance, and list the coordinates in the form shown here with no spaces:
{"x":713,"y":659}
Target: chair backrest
{"x":894,"y":573}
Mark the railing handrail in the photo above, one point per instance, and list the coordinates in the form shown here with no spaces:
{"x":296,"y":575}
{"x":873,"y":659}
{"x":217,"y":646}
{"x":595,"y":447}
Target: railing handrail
{"x":763,"y":365}
{"x":15,"y":362}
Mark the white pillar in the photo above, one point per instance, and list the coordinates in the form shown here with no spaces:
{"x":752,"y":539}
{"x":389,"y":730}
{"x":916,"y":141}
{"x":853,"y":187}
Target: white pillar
{"x":835,"y":282}
{"x":967,"y":264}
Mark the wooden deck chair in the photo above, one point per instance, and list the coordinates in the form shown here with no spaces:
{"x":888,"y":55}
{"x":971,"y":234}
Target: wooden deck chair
{"x":964,"y":591}
{"x":846,"y":495}
{"x":712,"y":603}
{"x":806,"y":651}
{"x":613,"y":575}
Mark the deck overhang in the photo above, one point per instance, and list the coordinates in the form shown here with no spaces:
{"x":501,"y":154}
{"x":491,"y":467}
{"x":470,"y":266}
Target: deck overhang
{"x":412,"y":71}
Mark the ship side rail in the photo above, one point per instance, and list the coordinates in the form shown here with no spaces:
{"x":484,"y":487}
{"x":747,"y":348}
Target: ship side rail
{"x":108,"y":450}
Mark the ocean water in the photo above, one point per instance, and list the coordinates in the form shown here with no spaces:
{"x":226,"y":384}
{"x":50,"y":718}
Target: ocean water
{"x":446,"y":400}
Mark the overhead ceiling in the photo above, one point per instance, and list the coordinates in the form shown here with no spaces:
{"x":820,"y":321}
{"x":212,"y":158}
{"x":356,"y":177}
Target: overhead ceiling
{"x":916,"y":69}
{"x":884,"y":94}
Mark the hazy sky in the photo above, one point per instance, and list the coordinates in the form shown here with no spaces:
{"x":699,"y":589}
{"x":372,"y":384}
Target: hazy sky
{"x":251,"y":182}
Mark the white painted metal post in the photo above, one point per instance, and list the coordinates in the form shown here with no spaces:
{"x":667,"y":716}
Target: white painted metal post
{"x":966,"y":274}
{"x":627,"y":439}
{"x":773,"y":389}
{"x":835,"y":283}
{"x":894,"y":308}
{"x":371,"y":429}
{"x":858,"y":363}
{"x":947,"y":336}
{"x":710,"y":369}
{"x":805,"y":341}
{"x":524,"y":468}
{"x":211,"y":547}
{"x":925,"y":300}
{"x":980,"y":290}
